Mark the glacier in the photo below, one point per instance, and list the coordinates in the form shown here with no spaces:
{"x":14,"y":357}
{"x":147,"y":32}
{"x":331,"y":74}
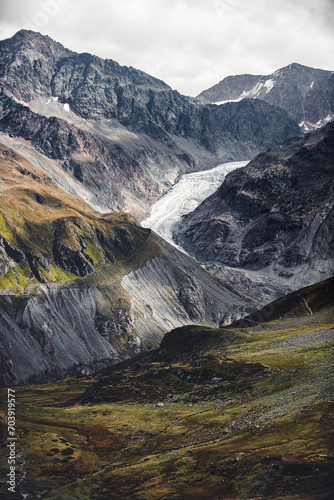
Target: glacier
{"x":186,"y":195}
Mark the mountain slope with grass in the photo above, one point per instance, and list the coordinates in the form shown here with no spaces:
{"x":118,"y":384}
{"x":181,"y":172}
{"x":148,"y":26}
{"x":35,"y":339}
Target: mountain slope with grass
{"x":81,"y":290}
{"x":239,"y":412}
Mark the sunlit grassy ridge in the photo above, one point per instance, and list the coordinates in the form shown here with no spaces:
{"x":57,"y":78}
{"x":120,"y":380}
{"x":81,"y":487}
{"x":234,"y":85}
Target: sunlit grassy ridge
{"x":235,"y":413}
{"x":49,"y":235}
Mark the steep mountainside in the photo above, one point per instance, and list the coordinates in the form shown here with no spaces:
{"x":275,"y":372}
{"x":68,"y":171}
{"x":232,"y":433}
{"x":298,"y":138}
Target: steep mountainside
{"x":214,"y":413}
{"x":274,"y":215}
{"x":48,"y":235}
{"x":81,"y":290}
{"x":307,"y":94}
{"x":124,"y":135}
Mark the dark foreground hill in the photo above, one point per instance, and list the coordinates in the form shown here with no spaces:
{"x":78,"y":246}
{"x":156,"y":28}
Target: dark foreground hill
{"x":242,"y":412}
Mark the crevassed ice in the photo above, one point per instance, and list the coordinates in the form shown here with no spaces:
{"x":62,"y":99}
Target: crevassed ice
{"x":187,"y":194}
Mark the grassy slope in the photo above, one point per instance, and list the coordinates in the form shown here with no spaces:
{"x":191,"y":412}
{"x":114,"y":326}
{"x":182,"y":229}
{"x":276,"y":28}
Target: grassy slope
{"x":32,"y":206}
{"x":247,"y":414}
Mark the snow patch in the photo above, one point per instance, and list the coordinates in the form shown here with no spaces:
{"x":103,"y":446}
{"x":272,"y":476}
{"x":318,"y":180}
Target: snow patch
{"x":253,"y":93}
{"x":308,"y":126}
{"x":224,"y":102}
{"x":269,"y":84}
{"x":67,"y":107}
{"x":324,"y":121}
{"x":255,"y":90}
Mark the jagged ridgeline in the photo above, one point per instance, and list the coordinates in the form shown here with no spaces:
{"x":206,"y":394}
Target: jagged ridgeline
{"x":116,"y":132}
{"x":307,"y":94}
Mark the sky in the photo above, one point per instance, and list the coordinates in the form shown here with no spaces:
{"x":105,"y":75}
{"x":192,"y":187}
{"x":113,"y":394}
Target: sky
{"x":190,"y":44}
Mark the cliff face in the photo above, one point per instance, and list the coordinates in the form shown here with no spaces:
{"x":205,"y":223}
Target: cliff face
{"x":276,"y":213}
{"x":307,"y":94}
{"x":123,"y":134}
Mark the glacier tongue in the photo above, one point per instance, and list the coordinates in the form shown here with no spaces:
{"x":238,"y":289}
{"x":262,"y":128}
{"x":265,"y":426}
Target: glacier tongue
{"x":184,"y":197}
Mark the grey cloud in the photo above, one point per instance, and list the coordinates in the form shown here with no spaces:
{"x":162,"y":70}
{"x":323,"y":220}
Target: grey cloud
{"x":191,"y":44}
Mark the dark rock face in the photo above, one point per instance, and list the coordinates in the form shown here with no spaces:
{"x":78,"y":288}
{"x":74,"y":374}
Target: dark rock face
{"x":7,"y":375}
{"x":276,"y":212}
{"x":126,"y":131}
{"x":307,"y":94}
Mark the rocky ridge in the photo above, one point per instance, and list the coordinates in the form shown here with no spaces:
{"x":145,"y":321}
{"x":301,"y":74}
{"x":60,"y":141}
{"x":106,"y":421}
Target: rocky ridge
{"x":275,"y":215}
{"x":77,"y":327}
{"x":124,"y":135}
{"x":307,"y":94}
{"x":48,"y":235}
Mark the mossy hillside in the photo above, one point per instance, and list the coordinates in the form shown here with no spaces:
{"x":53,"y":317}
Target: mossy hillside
{"x":247,"y":413}
{"x":51,"y":235}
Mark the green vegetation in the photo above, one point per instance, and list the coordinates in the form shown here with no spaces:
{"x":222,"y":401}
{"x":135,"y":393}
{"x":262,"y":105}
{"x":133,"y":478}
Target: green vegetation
{"x":245,"y":413}
{"x":48,"y":235}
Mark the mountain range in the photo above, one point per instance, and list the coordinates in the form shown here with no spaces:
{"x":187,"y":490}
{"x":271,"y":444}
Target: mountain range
{"x":114,"y":134}
{"x":305,"y":93}
{"x":84,"y":143}
{"x":142,"y":370}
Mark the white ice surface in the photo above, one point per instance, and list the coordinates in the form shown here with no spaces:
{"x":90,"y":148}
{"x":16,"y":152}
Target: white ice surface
{"x":184,"y":197}
{"x":224,"y":102}
{"x":269,"y":84}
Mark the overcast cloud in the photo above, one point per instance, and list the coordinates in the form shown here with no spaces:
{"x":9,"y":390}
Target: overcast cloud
{"x":190,"y":44}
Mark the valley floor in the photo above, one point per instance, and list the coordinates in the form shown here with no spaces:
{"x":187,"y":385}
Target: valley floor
{"x":248,"y":414}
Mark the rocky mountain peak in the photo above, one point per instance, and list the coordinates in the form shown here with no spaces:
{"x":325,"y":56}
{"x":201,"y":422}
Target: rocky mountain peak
{"x":124,"y":134}
{"x":307,"y":94}
{"x":27,"y":40}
